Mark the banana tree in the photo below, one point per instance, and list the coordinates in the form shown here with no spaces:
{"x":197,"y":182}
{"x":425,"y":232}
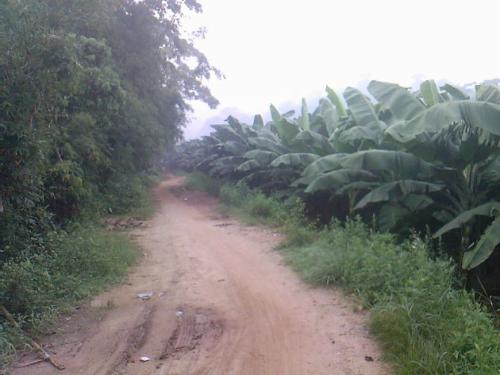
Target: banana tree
{"x":463,"y":137}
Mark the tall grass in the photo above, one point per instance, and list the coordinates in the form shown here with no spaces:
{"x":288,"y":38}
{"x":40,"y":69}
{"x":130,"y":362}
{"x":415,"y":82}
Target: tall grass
{"x":425,"y":322}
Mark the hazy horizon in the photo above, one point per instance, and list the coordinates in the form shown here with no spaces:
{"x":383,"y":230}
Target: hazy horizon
{"x":280,"y":51}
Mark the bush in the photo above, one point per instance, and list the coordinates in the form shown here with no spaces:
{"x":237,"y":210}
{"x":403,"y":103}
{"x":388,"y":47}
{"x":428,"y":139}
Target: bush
{"x":234,"y":195}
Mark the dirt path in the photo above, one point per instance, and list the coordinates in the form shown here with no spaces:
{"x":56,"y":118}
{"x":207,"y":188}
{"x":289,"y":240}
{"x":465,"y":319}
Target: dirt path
{"x":223,"y":304}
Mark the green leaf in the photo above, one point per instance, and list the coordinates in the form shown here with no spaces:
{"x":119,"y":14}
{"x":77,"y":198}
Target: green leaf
{"x":430,"y":93}
{"x":248,"y":166}
{"x":304,"y":120}
{"x":487,"y":209}
{"x":485,"y":246}
{"x":397,"y":163}
{"x":227,"y":133}
{"x":319,"y":166}
{"x":275,"y":115}
{"x":337,"y":179}
{"x":258,"y":122}
{"x":329,"y":115}
{"x":482,"y":115}
{"x":400,"y":101}
{"x":362,"y":109}
{"x":334,"y":98}
{"x":488,"y":93}
{"x":225,"y":165}
{"x":396,"y":190}
{"x":286,"y":130}
{"x":262,"y":157}
{"x":235,"y":148}
{"x":455,"y":92}
{"x":294,"y":160}
{"x":357,"y":138}
{"x":267,"y":133}
{"x":267,"y":144}
{"x":311,"y":142}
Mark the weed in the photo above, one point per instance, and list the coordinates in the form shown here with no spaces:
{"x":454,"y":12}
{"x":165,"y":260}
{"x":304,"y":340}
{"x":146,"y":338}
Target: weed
{"x":80,"y":263}
{"x":425,"y":325}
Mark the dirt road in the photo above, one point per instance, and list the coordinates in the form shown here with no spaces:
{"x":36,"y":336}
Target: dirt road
{"x":223,"y":304}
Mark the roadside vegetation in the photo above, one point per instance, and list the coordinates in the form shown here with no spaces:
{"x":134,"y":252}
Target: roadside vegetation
{"x":398,"y":196}
{"x":423,"y":318}
{"x":92,"y":94}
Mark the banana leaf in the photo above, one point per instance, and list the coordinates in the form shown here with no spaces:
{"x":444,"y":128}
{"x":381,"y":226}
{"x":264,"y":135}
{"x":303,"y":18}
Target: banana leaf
{"x":400,"y":101}
{"x":430,"y":93}
{"x":334,"y":98}
{"x":396,"y":190}
{"x":397,"y":163}
{"x":487,"y":209}
{"x":337,"y":179}
{"x":311,"y":142}
{"x":268,"y":145}
{"x":304,"y":119}
{"x":488,"y":93}
{"x":319,"y":166}
{"x":484,"y":248}
{"x":482,"y":115}
{"x":262,"y":157}
{"x":362,"y":109}
{"x":454,"y":92}
{"x":294,"y":160}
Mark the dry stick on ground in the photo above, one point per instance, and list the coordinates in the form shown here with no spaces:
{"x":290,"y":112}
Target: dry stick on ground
{"x":45,"y":356}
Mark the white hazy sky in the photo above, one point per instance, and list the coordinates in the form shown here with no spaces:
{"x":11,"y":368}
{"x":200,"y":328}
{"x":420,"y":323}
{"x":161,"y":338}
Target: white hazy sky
{"x":278,"y":51}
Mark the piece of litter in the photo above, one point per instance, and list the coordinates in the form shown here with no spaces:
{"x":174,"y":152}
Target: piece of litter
{"x":145,"y":296}
{"x":185,"y":199}
{"x":179,"y":314}
{"x":145,"y":359}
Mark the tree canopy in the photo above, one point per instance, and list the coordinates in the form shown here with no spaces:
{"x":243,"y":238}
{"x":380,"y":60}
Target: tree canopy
{"x":92,"y":94}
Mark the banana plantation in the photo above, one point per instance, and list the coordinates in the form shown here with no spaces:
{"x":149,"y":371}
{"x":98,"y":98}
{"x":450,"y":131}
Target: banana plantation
{"x":425,"y":161}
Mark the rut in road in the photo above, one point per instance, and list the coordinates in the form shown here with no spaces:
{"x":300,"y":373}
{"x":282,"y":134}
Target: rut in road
{"x":223,"y":304}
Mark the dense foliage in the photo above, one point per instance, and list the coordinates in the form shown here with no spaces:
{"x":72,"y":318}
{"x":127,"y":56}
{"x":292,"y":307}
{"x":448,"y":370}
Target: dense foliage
{"x":425,"y":160}
{"x":91,"y":93}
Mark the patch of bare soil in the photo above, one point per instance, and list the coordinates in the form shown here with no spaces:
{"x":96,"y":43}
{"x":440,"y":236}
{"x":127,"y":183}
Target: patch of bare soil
{"x":210,"y":296}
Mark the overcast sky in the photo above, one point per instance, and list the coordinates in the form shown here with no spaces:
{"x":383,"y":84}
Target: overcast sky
{"x":278,"y":51}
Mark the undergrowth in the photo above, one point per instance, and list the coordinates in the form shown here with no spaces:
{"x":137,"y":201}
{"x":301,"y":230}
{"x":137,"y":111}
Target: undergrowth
{"x":199,"y":181}
{"x":69,"y":264}
{"x":80,"y":263}
{"x":425,"y":322}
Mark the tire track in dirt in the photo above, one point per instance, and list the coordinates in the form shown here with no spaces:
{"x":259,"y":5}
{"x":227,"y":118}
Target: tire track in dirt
{"x":223,"y":304}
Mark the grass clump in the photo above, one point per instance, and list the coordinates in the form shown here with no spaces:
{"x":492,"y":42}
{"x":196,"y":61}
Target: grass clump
{"x":78,"y":264}
{"x":251,"y":205}
{"x":424,"y":322}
